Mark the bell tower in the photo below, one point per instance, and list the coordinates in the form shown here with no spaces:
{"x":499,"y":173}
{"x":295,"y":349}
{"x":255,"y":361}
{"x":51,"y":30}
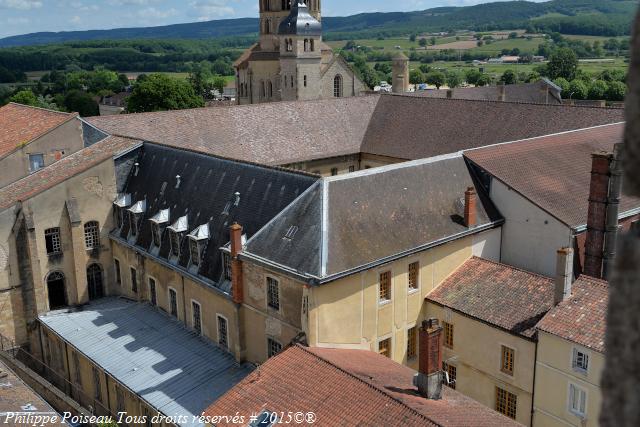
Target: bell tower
{"x":272,"y":12}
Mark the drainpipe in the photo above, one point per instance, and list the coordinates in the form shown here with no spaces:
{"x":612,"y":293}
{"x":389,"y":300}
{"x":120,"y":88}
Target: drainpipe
{"x":613,"y":210}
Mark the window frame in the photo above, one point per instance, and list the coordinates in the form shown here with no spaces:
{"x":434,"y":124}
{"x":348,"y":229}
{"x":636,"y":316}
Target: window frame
{"x":412,"y":342}
{"x":448,"y":334}
{"x":388,"y":294}
{"x":153,"y":296}
{"x":416,"y":280}
{"x":194,"y":244}
{"x":507,"y":360}
{"x":226,"y":330}
{"x":54,"y":235}
{"x":133,"y":278}
{"x":174,"y":235}
{"x":175,"y":292}
{"x":583,"y":397}
{"x":272,"y":341}
{"x":32,"y":170}
{"x":227,"y":272}
{"x":510,"y":402}
{"x":273,"y":303}
{"x":195,"y":304}
{"x":574,"y":360}
{"x":91,"y":235}
{"x":338,"y":86}
{"x":116,"y":267}
{"x":388,"y":349}
{"x":451,"y":372}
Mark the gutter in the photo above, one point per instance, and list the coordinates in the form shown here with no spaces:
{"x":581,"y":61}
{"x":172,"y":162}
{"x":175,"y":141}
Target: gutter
{"x":624,"y":215}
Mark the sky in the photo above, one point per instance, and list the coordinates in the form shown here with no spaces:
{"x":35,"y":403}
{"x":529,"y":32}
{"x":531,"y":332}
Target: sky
{"x":28,"y":16}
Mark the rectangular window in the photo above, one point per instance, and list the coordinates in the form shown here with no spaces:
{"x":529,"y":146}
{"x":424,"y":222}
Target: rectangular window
{"x":52,"y":241}
{"x":152,"y":292}
{"x":305,"y":81}
{"x":92,"y":235}
{"x":117,"y":216}
{"x":384,"y":347}
{"x":226,"y":262}
{"x":173,"y":302}
{"x":412,"y":347}
{"x":223,"y":340}
{"x":155,"y":234}
{"x":352,"y":168}
{"x":194,"y":249}
{"x":134,"y":280}
{"x":273,"y":293}
{"x":36,"y":162}
{"x":133,"y":221}
{"x":334,"y":171}
{"x":77,"y":377}
{"x":385,"y":286}
{"x":580,"y":361}
{"x":448,"y":334}
{"x":274,"y":347}
{"x":414,"y":275}
{"x":451,"y":373}
{"x":506,"y":403}
{"x":174,"y":239}
{"x":97,"y":387}
{"x":116,"y":265}
{"x":577,"y":400}
{"x":507,"y":363}
{"x":197,"y":319}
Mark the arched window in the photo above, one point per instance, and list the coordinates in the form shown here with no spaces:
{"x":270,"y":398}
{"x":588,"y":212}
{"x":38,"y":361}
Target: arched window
{"x":56,"y":290}
{"x":337,"y":86}
{"x":94,"y":281}
{"x":313,"y":48}
{"x":92,"y":235}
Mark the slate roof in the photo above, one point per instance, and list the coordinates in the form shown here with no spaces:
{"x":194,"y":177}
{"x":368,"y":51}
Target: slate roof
{"x":207,"y":195}
{"x":398,"y":126}
{"x":21,"y":124}
{"x":498,"y":294}
{"x":347,"y":388}
{"x":409,"y":127}
{"x":63,"y":169}
{"x":582,"y":318}
{"x":540,"y":92}
{"x":341,"y":222}
{"x":558,"y":170}
{"x":150,"y":353}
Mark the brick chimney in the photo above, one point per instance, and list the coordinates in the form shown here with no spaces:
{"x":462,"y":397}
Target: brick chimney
{"x":429,"y":376}
{"x":597,"y":214}
{"x":564,"y":275}
{"x":470,"y":207}
{"x":236,"y":264}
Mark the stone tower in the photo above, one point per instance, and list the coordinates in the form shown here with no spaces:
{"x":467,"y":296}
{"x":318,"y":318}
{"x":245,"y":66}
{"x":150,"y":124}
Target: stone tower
{"x":400,"y":72}
{"x":300,"y":35}
{"x":272,"y":12}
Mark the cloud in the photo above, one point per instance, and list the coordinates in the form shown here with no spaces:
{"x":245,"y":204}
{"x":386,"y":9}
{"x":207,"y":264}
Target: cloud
{"x":20,"y":4}
{"x":153,"y":13}
{"x":75,"y":20}
{"x":210,"y":9}
{"x":19,"y":20}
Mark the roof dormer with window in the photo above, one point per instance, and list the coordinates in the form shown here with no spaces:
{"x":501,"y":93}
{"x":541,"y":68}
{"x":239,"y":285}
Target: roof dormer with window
{"x":136,"y":212}
{"x":120,"y":204}
{"x":198,"y":239}
{"x":158,"y":224}
{"x":176,"y":233}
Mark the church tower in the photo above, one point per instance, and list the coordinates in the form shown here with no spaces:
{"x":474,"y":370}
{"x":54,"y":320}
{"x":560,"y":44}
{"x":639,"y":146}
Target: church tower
{"x":300,"y":35}
{"x":272,"y":12}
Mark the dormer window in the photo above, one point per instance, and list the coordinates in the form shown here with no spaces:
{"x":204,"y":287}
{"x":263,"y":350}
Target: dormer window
{"x":135,"y":213}
{"x":197,"y":241}
{"x":122,"y":202}
{"x":158,"y":224}
{"x":176,"y":232}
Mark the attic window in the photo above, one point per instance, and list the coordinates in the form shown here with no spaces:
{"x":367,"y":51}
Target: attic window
{"x":158,"y":223}
{"x":194,"y":250}
{"x":197,"y":240}
{"x":136,"y":211}
{"x":291,"y":233}
{"x":226,"y":265}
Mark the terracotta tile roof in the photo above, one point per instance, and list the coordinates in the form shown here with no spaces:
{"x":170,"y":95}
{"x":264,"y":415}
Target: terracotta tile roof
{"x":346,"y":388}
{"x":558,"y":170}
{"x":497,"y":294}
{"x":411,"y":127}
{"x":389,"y":125}
{"x":538,"y":93}
{"x":62,"y":170}
{"x":21,"y":124}
{"x":581,"y":319}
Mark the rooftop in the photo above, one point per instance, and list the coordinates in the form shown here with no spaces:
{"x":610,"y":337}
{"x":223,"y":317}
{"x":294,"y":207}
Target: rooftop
{"x":540,"y":92}
{"x":349,"y":387}
{"x":558,"y":170}
{"x":581,"y":318}
{"x":397,"y":126}
{"x":498,"y":294}
{"x":338,"y":222}
{"x":63,"y":169}
{"x":22,"y":124}
{"x":150,"y":353}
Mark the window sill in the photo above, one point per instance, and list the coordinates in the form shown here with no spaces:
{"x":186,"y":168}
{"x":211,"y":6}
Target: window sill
{"x":581,"y":371}
{"x":413,"y":291}
{"x":383,"y":303}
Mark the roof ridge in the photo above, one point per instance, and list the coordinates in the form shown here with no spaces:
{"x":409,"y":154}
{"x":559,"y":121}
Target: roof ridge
{"x":373,"y":386}
{"x":512,"y":267}
{"x":594,"y":280}
{"x":217,"y":156}
{"x":498,"y":102}
{"x":74,"y":114}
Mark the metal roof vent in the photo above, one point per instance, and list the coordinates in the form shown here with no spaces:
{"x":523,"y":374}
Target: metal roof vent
{"x":237,"y":202}
{"x":291,"y":233}
{"x":136,"y":165}
{"x":178,"y":177}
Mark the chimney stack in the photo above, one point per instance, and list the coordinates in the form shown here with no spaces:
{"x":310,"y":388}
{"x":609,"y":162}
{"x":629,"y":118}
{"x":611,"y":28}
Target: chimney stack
{"x":470,"y":207}
{"x":449,"y":93}
{"x":502,"y":92}
{"x":429,"y":376}
{"x":564,"y":275}
{"x":236,"y":264}
{"x":613,"y":210}
{"x":597,"y":214}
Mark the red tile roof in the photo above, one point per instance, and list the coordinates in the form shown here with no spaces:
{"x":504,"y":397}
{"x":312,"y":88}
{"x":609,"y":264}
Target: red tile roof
{"x":558,"y":170}
{"x":21,"y":124}
{"x":348,"y":387}
{"x":62,"y":170}
{"x":581,"y":319}
{"x":497,"y":294}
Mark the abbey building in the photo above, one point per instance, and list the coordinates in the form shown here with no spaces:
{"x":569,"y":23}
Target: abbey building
{"x":291,"y":62}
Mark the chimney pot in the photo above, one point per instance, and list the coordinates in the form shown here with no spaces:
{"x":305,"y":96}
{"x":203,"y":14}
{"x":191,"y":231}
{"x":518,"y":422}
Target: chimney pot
{"x":564,"y":275}
{"x":470,"y":207}
{"x":429,"y":376}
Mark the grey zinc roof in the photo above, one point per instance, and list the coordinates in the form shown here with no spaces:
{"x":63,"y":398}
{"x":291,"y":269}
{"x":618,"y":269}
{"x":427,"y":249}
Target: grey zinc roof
{"x":347,"y":222}
{"x":154,"y":356}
